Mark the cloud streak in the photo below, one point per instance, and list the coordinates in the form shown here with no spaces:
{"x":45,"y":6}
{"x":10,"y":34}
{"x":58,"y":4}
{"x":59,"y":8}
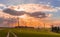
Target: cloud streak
{"x":38,"y":14}
{"x":19,"y":13}
{"x":13,"y":12}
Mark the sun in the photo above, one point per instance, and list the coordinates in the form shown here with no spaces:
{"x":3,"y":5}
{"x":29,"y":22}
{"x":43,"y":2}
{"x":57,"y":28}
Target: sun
{"x":23,"y":16}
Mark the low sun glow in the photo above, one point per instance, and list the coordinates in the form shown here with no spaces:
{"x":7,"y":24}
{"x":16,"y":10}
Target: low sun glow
{"x":23,"y":16}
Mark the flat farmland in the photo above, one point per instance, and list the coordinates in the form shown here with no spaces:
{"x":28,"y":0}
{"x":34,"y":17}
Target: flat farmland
{"x":27,"y":32}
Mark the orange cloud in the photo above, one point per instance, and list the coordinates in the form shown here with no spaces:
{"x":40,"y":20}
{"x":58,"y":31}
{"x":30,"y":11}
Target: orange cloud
{"x":33,"y":8}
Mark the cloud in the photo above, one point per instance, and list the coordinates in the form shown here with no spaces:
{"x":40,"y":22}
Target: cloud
{"x":28,"y":8}
{"x":2,"y":6}
{"x":38,"y":15}
{"x":34,"y":8}
{"x":58,"y":8}
{"x":19,"y":13}
{"x":14,"y":12}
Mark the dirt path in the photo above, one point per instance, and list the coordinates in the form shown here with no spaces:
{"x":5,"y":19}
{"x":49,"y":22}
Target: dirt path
{"x":7,"y":35}
{"x":14,"y":34}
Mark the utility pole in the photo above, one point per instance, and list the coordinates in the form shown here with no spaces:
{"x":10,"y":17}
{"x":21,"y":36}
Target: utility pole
{"x":18,"y":21}
{"x":8,"y":22}
{"x":44,"y":25}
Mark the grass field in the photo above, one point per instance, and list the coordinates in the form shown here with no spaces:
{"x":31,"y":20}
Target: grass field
{"x":27,"y":32}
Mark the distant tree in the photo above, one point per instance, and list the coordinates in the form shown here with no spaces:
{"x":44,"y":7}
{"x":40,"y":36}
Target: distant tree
{"x":55,"y":29}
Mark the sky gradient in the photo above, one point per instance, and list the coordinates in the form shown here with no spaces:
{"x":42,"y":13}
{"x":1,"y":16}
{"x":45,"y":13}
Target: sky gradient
{"x":50,"y":7}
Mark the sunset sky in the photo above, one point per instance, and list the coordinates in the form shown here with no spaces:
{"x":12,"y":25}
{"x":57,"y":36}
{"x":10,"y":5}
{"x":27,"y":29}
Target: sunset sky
{"x":48,"y":10}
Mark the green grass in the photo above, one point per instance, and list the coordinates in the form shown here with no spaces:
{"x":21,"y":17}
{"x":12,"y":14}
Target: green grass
{"x":3,"y":33}
{"x":27,"y":32}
